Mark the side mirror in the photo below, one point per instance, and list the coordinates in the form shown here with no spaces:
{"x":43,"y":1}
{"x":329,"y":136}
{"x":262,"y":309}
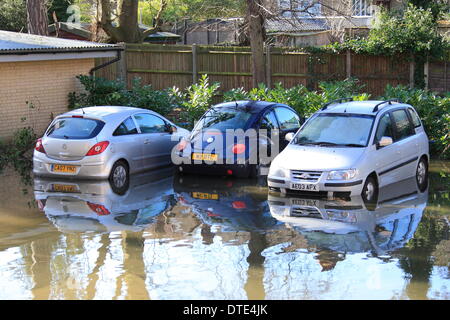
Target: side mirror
{"x":171,"y":129}
{"x":385,"y":141}
{"x":289,"y":136}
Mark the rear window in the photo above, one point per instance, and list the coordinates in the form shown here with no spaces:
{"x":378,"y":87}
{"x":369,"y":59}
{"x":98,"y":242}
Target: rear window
{"x":75,"y":128}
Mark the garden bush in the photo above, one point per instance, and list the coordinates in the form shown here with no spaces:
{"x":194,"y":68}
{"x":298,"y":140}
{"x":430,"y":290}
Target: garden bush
{"x":102,"y":92}
{"x":193,"y":101}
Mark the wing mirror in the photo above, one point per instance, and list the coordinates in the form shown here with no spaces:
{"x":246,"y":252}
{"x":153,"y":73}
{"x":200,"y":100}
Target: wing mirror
{"x":384,"y":142}
{"x":289,"y":136}
{"x":171,"y":129}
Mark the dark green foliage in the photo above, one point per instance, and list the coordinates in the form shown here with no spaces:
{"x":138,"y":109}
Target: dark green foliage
{"x":16,"y":153}
{"x":304,"y":101}
{"x":192,"y":102}
{"x":13,"y":15}
{"x":102,"y":92}
{"x":60,"y":9}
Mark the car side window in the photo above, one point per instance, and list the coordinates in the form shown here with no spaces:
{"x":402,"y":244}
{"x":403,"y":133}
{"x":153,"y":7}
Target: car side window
{"x":414,"y":117}
{"x":269,"y":121}
{"x":149,"y":123}
{"x":403,"y":125}
{"x":384,"y":128}
{"x":288,"y":119}
{"x":126,"y":127}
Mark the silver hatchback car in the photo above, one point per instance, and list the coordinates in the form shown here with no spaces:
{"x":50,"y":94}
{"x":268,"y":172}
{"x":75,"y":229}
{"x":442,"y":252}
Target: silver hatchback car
{"x":352,"y":148}
{"x":105,"y":142}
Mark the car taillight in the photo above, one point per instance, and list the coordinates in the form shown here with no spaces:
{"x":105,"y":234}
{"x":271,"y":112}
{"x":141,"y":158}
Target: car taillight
{"x":238,"y":148}
{"x":239,"y":205}
{"x":39,"y":147}
{"x":98,"y":209}
{"x":98,"y":148}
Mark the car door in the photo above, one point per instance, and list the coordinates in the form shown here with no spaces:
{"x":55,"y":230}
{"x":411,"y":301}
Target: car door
{"x":268,"y":130}
{"x":155,"y":140}
{"x":388,"y":157}
{"x":405,"y":138}
{"x":288,"y":121}
{"x":126,"y":139}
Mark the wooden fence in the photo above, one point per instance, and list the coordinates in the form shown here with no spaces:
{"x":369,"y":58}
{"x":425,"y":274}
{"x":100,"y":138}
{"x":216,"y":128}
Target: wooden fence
{"x":437,"y":76}
{"x":165,"y":66}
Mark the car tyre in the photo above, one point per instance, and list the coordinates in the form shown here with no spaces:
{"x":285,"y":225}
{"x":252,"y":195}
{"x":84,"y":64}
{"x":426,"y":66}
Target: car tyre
{"x":120,"y":177}
{"x":422,"y":174}
{"x":370,"y":191}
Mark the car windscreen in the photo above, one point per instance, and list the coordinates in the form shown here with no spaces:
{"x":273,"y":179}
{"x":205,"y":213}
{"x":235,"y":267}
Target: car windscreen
{"x":223,"y":118}
{"x":75,"y":128}
{"x":349,"y":130}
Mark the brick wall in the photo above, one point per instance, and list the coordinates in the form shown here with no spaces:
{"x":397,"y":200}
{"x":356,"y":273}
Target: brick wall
{"x":44,"y":84}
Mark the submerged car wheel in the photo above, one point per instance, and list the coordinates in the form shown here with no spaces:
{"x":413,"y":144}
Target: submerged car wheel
{"x":422,"y":174}
{"x":370,"y":190}
{"x":119,"y":177}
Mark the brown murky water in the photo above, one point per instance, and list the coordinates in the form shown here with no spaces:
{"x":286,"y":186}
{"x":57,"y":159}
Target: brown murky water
{"x":212,"y":238}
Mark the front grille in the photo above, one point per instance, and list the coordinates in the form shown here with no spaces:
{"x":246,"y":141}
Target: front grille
{"x":311,"y":212}
{"x":310,"y":176}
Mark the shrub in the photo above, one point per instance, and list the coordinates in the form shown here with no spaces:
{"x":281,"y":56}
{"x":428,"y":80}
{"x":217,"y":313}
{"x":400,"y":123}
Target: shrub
{"x":195,"y":100}
{"x":434,"y":112}
{"x":103,"y":92}
{"x":305,"y":102}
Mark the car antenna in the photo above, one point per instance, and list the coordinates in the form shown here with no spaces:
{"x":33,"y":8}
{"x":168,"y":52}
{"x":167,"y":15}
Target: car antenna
{"x":83,"y":110}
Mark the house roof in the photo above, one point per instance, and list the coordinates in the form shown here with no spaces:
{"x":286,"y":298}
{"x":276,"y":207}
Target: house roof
{"x":296,"y":25}
{"x":24,"y":43}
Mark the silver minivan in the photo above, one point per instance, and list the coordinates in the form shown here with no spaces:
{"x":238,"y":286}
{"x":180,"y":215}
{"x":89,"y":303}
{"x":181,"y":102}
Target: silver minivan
{"x":105,"y":142}
{"x":353,"y":147}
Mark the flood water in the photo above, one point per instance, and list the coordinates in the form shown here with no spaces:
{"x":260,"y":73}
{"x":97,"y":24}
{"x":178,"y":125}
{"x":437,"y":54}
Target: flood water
{"x":190,"y":237}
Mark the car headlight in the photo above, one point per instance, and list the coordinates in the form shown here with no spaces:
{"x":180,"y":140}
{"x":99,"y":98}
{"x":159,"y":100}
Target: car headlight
{"x":277,"y":172}
{"x":342,"y":174}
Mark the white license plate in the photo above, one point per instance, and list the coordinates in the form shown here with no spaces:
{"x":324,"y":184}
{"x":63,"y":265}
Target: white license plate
{"x":304,"y":202}
{"x":305,"y":187}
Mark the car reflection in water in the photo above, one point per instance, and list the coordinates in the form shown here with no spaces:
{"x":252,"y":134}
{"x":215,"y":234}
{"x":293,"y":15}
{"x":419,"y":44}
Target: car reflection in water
{"x":338,"y":227}
{"x":80,"y":206}
{"x":231,"y":204}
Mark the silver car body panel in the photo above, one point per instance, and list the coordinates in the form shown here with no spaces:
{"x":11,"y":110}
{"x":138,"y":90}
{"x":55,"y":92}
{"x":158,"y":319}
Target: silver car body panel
{"x":140,"y":151}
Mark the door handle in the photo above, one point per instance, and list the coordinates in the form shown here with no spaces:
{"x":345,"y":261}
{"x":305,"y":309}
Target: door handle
{"x":146,"y":141}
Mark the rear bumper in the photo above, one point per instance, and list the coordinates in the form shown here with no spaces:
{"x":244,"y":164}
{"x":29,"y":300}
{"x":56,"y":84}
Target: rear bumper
{"x":96,"y":167}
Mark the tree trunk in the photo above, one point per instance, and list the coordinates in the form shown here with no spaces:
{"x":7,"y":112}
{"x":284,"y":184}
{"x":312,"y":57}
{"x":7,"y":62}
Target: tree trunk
{"x":127,"y":29}
{"x":37,"y":19}
{"x":128,"y":21}
{"x":256,"y":36}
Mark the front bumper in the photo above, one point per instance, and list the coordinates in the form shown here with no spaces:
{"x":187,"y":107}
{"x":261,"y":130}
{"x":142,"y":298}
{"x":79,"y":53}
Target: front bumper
{"x":95,"y":167}
{"x":324,"y":187}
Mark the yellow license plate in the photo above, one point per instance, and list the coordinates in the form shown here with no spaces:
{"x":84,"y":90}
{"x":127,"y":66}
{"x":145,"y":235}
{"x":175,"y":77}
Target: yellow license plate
{"x":205,"y":156}
{"x":64,"y":188}
{"x":64,"y":168}
{"x":205,"y":196}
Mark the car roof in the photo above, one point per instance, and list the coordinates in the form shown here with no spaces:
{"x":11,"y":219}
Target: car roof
{"x":250,"y":105}
{"x":106,"y":113}
{"x":361,"y":107}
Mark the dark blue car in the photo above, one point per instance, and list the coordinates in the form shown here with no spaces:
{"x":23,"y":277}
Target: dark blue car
{"x":211,"y":149}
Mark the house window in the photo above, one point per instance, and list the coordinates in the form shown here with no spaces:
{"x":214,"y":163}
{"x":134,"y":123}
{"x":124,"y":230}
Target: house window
{"x":362,"y":8}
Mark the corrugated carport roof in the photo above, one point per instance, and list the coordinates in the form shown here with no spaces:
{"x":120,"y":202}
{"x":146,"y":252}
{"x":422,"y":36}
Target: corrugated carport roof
{"x":24,"y":43}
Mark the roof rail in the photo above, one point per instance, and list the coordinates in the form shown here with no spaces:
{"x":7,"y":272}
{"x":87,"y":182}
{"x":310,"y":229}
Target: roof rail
{"x":336,"y":101}
{"x":375,"y":109}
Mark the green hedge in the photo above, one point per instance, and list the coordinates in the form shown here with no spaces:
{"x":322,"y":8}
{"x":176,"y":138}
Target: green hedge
{"x":189,"y":104}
